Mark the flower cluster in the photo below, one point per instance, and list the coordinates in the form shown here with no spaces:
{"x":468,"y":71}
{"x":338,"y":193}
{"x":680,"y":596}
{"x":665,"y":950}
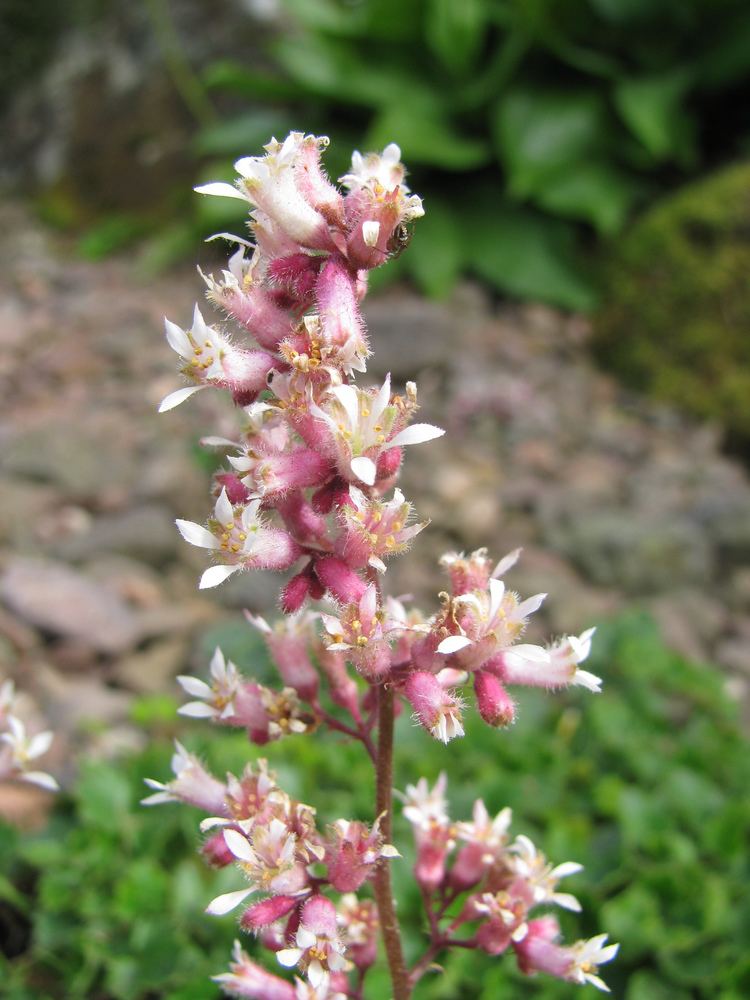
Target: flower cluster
{"x":310,"y":488}
{"x":473,"y":876}
{"x":18,"y":749}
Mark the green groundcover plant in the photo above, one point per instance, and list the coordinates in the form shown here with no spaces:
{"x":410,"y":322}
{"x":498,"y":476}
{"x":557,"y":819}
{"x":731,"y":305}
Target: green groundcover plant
{"x":527,"y":123}
{"x":649,"y":783}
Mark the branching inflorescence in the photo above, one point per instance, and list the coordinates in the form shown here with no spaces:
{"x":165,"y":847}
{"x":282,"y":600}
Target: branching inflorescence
{"x":310,"y":484}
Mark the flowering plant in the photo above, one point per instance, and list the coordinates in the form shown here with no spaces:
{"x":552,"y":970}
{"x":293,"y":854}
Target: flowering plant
{"x":311,"y":484}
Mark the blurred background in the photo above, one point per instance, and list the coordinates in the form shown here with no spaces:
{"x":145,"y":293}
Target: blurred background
{"x":574,"y":306}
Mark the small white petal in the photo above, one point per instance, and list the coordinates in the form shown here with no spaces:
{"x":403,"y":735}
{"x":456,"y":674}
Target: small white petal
{"x":221,"y":189}
{"x":453,"y":643}
{"x":42,"y":779}
{"x":289,"y":957}
{"x":39,"y":745}
{"x":389,"y":851}
{"x":377,"y":564}
{"x":211,"y":822}
{"x":194,"y":686}
{"x":370,"y":232}
{"x":215,"y":575}
{"x":306,"y":938}
{"x":196,"y":534}
{"x":238,"y":845}
{"x":365,"y":469}
{"x":497,"y":592}
{"x":381,"y":400}
{"x":227,"y":902}
{"x":416,"y":434}
{"x":178,"y":339}
{"x":566,"y":901}
{"x":257,"y":621}
{"x":506,"y":563}
{"x":196,"y":710}
{"x":347,"y":396}
{"x":588,"y":680}
{"x":223,"y":509}
{"x":158,"y":799}
{"x":179,"y":396}
{"x":228,"y":236}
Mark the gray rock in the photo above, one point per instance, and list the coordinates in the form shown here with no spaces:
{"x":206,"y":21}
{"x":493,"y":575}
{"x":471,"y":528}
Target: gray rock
{"x":60,"y":600}
{"x":147,"y":533}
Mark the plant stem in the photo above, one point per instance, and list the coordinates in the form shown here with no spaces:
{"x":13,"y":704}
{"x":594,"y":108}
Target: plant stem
{"x":382,"y":882}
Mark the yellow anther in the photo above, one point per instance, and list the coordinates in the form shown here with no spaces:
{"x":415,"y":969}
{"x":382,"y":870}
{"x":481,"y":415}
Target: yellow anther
{"x":373,"y":538}
{"x":390,"y":542}
{"x":242,"y":536}
{"x":235,"y":547}
{"x":380,"y":439}
{"x":225,"y":537}
{"x":378,"y":427}
{"x":362,"y":640}
{"x":365,"y":412}
{"x":195,"y":362}
{"x":199,"y":350}
{"x":397,"y":525}
{"x":356,"y":625}
{"x":207,"y":343}
{"x":229,"y":525}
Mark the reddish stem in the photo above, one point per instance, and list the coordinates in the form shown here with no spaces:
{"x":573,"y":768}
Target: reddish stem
{"x":382,"y":881}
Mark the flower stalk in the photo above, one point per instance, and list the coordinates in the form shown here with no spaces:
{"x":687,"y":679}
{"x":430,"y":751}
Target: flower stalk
{"x":310,"y":488}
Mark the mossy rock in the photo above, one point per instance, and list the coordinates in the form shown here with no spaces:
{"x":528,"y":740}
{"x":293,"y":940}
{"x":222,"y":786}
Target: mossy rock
{"x":675,"y":320}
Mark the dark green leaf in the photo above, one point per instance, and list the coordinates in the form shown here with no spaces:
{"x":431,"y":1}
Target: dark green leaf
{"x":455,"y":31}
{"x":652,"y":107}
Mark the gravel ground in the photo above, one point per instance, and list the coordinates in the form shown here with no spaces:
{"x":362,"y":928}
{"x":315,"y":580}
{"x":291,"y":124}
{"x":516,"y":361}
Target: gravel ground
{"x":615,"y":500}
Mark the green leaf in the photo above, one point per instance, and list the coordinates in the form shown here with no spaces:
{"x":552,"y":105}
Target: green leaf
{"x":538,"y":133}
{"x":525,"y":254}
{"x":435,"y":255}
{"x":425,"y":134}
{"x":455,"y":31}
{"x":243,"y":134}
{"x":652,"y":108}
{"x":592,"y":191}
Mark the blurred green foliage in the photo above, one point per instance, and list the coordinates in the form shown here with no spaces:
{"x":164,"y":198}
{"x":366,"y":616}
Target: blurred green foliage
{"x":646,"y":784}
{"x":526,"y":123}
{"x":676,"y":311}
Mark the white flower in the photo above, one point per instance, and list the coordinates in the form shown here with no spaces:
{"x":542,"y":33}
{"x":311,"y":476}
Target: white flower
{"x":361,"y":424}
{"x":217,"y":699}
{"x":23,"y":749}
{"x":532,"y":866}
{"x":492,"y":834}
{"x":233,"y":534}
{"x":587,"y":956}
{"x":202,"y":348}
{"x":424,"y":806}
{"x":270,"y":864}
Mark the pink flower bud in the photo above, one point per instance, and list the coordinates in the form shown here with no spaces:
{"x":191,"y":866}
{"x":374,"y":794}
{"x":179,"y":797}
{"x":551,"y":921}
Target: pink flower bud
{"x":247,"y":979}
{"x":331,"y":496}
{"x":247,"y":373}
{"x":494,"y":703}
{"x":531,"y":951}
{"x":275,"y":475}
{"x":469,"y":867}
{"x":237,"y":492}
{"x":216,"y":852}
{"x":319,"y":916}
{"x":341,"y":687}
{"x":289,"y":653}
{"x":296,"y":273}
{"x":342,"y":327}
{"x":275,"y":549}
{"x":267,"y":911}
{"x":429,"y":870}
{"x":352,"y":853}
{"x":343,"y":583}
{"x":389,"y":462}
{"x":494,"y":937}
{"x":434,"y":707}
{"x":299,"y":516}
{"x":295,"y":593}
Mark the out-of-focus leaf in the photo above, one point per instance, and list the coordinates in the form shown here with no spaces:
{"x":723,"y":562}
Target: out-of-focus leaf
{"x":112,"y":233}
{"x":455,"y":31}
{"x":596,"y":192}
{"x":525,"y":254}
{"x":243,"y":135}
{"x":540,"y":132}
{"x":226,"y":74}
{"x":652,"y":107}
{"x":327,"y":67}
{"x":623,"y":11}
{"x":435,"y":255}
{"x":417,"y":123}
